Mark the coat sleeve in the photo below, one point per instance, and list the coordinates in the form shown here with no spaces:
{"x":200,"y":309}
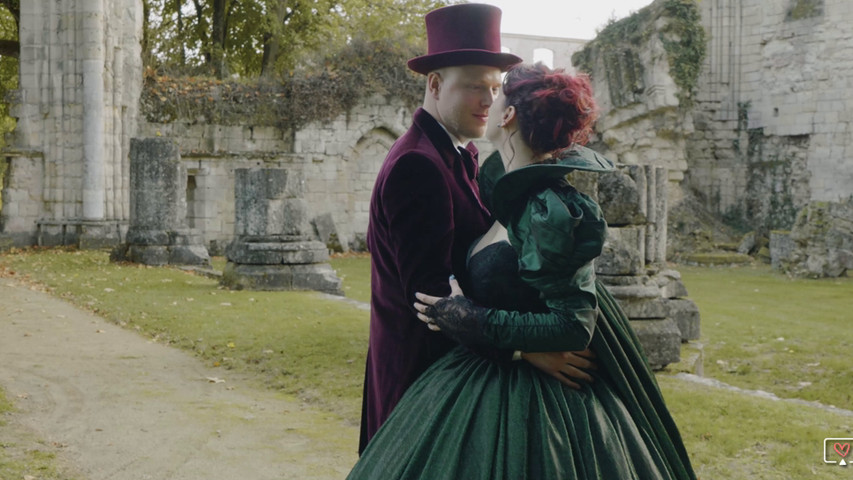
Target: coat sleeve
{"x":557,"y":237}
{"x":418,"y":207}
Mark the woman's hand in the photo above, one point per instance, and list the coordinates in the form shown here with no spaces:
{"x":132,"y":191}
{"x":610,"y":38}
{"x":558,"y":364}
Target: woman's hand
{"x":455,"y":316}
{"x":424,"y":306}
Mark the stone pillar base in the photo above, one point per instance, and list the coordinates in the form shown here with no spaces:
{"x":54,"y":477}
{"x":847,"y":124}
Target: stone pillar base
{"x":661,"y":341}
{"x":315,"y":276}
{"x":161,"y":247}
{"x":85,"y":234}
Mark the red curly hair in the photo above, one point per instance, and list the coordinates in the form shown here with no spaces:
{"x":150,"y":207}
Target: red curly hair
{"x":555,"y":109}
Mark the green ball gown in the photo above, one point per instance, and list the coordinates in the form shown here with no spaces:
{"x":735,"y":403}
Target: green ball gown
{"x":471,"y":417}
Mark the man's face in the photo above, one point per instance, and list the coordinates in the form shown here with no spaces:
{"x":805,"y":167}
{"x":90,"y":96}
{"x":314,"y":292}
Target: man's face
{"x":463,"y":98}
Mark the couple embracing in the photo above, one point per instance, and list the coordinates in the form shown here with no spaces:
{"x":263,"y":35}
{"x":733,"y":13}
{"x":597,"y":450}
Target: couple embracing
{"x":494,"y":353}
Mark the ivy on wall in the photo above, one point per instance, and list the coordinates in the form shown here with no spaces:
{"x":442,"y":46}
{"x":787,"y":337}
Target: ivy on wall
{"x":320,"y":91}
{"x":684,"y":41}
{"x":682,"y":36}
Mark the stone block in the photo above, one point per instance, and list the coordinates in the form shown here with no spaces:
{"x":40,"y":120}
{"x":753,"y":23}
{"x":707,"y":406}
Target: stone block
{"x":157,"y":184}
{"x":634,"y":291}
{"x":623,"y":252}
{"x":241,"y":253}
{"x":269,"y":201}
{"x":670,"y":284}
{"x":781,"y":248}
{"x":621,"y":199}
{"x":257,"y":277}
{"x":144,"y":237}
{"x":189,"y":255}
{"x":186,"y":237}
{"x":319,"y":277}
{"x":660,"y":339}
{"x":685,"y":314}
{"x":148,"y":254}
{"x":326,"y":229}
{"x":94,"y":237}
{"x":640,"y":308}
{"x":272,"y":253}
{"x":623,"y":280}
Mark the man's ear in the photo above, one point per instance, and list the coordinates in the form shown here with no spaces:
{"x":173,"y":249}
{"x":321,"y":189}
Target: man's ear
{"x":434,"y":83}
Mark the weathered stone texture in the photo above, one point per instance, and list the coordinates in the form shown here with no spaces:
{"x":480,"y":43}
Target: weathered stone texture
{"x":774,"y":123}
{"x":820,"y":243}
{"x":338,"y":162}
{"x":158,"y":232}
{"x":632,"y":261}
{"x":274,"y":247}
{"x":77,"y":130}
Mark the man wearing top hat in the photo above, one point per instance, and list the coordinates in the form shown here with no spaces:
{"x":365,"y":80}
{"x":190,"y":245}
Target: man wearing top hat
{"x":426,"y":210}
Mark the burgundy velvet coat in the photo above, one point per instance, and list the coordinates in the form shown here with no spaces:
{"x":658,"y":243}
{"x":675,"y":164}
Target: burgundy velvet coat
{"x":424,"y":214}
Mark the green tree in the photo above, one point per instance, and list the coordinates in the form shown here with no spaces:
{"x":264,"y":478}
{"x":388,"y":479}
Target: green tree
{"x":9,"y":44}
{"x":10,"y":14}
{"x":268,"y":38}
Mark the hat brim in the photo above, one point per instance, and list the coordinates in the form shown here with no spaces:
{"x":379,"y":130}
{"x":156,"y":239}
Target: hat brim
{"x":427,"y":63}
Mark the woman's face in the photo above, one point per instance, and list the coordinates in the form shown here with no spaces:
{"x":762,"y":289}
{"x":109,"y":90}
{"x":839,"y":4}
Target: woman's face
{"x":496,"y":113}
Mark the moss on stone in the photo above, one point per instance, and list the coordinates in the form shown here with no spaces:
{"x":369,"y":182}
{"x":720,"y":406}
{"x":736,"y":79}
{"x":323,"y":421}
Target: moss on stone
{"x":718,"y":258}
{"x":802,"y":9}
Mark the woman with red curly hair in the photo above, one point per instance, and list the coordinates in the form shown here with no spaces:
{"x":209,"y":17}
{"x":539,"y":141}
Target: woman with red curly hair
{"x":532,"y":289}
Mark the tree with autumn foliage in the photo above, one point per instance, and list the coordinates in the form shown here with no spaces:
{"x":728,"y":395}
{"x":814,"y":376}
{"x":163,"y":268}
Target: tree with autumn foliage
{"x":269,"y":38}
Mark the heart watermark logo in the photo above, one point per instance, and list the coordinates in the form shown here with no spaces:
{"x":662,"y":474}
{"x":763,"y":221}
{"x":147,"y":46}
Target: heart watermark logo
{"x":835,"y":450}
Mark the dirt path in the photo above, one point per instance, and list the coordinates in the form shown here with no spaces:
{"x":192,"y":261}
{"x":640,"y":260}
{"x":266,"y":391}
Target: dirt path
{"x":113,"y":405}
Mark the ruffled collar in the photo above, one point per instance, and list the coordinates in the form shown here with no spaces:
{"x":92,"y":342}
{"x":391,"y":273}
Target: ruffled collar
{"x":500,"y":190}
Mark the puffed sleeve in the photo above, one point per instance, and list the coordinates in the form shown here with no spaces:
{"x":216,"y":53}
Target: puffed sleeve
{"x":557,"y":235}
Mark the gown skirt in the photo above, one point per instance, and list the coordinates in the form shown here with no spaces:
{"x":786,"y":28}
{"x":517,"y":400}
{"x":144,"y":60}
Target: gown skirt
{"x":472,"y":418}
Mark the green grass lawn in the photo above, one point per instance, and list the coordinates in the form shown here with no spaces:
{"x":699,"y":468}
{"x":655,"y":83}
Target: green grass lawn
{"x":760,"y":330}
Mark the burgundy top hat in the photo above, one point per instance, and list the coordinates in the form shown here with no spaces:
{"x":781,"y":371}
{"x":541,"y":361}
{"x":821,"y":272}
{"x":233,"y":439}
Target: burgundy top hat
{"x":465,"y":34}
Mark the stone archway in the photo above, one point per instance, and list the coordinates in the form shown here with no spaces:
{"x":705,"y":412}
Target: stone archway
{"x":360,"y":174}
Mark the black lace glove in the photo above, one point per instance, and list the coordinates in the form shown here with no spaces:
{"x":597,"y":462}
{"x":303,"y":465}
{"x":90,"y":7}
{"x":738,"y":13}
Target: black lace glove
{"x":460,"y":320}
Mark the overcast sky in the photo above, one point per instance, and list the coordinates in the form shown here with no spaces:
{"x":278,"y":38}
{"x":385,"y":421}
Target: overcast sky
{"x":562,"y":18}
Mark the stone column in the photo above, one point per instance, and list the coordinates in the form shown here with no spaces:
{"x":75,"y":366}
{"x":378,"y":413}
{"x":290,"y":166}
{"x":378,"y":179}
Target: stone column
{"x":274,"y":248}
{"x":92,"y":52}
{"x":633,"y":264}
{"x":158,"y":233}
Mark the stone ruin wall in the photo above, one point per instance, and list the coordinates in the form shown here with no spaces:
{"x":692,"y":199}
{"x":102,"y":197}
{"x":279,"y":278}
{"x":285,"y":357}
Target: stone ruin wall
{"x":339,"y":161}
{"x":641,"y":122}
{"x":768,"y":132}
{"x":77,"y":104}
{"x":774,"y":111}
